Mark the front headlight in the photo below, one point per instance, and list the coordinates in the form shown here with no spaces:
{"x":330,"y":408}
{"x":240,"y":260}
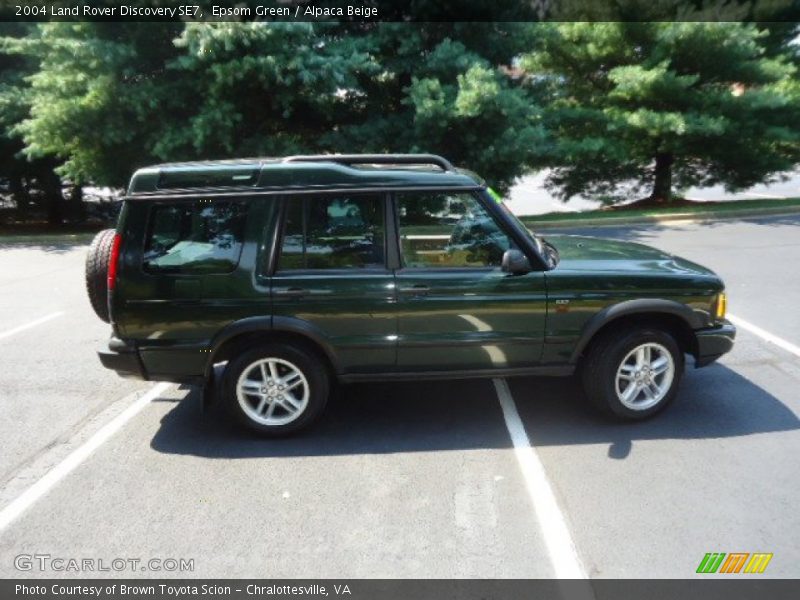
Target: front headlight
{"x":720,"y":306}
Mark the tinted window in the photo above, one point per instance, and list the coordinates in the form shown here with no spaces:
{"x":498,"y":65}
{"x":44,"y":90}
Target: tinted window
{"x":195,"y":237}
{"x":448,"y":230}
{"x":340,"y":232}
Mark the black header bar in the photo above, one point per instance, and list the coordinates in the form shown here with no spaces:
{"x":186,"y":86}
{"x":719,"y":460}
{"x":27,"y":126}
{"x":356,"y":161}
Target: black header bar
{"x":734,"y":588}
{"x":373,"y":11}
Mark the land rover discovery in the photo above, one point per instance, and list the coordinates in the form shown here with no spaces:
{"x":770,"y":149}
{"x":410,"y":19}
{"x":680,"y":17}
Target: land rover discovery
{"x":287,"y":275}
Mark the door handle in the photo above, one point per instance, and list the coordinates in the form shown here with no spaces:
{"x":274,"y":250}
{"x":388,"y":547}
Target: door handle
{"x":292,"y":292}
{"x":415,"y":290}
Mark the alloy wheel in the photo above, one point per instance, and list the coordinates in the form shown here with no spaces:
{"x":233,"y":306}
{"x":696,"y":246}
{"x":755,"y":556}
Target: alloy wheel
{"x":272,"y":391}
{"x":644,"y":376}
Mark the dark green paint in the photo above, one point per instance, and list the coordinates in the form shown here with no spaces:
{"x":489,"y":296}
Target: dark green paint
{"x":373,"y":321}
{"x":274,"y":174}
{"x":595,"y":273}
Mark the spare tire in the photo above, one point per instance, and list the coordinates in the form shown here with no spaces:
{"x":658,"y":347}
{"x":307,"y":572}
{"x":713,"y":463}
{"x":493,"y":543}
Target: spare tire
{"x":97,"y":261}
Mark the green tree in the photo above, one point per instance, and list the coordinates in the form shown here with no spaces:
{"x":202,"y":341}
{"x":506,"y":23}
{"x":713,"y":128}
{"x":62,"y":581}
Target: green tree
{"x":272,"y":89}
{"x":110,"y":97}
{"x":253,"y":89}
{"x":12,"y":110}
{"x":445,"y":88}
{"x":97,"y":97}
{"x":32,"y":183}
{"x":666,"y":105}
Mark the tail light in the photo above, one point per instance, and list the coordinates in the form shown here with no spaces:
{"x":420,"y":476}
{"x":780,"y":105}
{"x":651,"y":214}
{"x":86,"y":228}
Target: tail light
{"x":113,"y":262}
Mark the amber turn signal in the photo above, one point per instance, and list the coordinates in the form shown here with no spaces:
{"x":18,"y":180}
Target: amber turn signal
{"x":722,"y":305}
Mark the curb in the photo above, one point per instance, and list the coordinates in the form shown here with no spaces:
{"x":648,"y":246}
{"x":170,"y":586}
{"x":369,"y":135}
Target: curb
{"x":728,"y":215}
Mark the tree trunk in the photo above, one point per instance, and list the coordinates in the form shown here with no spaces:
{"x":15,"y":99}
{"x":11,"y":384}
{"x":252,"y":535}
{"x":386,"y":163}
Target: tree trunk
{"x":77,"y":208}
{"x":662,"y":186}
{"x":19,"y":196}
{"x":53,"y":197}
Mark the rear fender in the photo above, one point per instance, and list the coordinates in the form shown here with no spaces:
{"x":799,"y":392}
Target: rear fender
{"x":269,"y":326}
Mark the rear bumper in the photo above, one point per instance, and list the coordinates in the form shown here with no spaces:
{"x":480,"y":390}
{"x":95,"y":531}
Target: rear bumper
{"x":123,"y":358}
{"x":713,"y":343}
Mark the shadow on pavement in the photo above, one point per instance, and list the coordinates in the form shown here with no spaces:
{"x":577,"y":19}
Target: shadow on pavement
{"x":374,"y":418}
{"x":383,"y":418}
{"x":714,"y":402}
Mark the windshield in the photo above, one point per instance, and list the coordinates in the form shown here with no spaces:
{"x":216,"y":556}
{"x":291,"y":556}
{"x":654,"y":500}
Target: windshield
{"x":504,"y":207}
{"x":544,"y":249}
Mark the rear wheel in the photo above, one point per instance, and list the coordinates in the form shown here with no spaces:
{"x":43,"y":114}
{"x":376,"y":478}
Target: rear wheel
{"x":96,"y":274}
{"x":633,"y":374}
{"x":276,"y":389}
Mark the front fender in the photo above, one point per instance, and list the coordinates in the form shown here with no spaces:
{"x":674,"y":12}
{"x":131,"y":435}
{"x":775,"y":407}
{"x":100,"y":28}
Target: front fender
{"x":638,"y":306}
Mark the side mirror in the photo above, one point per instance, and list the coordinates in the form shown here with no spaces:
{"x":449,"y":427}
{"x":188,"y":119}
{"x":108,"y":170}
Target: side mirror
{"x":515,"y":262}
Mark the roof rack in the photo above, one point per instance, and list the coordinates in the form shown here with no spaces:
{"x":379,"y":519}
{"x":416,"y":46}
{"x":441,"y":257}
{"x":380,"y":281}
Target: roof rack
{"x":376,"y":159}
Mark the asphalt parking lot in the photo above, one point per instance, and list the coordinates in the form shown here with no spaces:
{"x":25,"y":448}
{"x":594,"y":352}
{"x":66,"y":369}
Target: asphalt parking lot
{"x":424,"y":479}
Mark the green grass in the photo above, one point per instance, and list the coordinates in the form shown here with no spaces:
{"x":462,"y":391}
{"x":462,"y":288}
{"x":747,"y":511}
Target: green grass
{"x":697,"y":209}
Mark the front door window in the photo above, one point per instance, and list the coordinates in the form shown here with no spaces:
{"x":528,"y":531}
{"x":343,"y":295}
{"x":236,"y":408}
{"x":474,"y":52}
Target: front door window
{"x":448,"y":230}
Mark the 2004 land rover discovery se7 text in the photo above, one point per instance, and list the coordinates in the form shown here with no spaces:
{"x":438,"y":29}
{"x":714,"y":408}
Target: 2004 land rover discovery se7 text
{"x":300,"y":271}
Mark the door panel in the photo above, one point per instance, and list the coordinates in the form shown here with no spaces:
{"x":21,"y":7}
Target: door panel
{"x":456,"y":308}
{"x":331,"y":273}
{"x":355,"y":312}
{"x":481,"y":319}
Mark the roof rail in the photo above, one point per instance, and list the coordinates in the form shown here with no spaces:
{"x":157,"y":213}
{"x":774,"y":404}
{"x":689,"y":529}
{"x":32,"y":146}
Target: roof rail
{"x":376,"y":159}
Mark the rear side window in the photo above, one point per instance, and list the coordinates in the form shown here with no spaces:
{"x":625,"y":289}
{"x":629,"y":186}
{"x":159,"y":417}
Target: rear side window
{"x":333,"y":232}
{"x":199,"y":236}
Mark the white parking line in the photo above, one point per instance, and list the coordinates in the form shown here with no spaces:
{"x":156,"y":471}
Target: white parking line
{"x":765,"y":335}
{"x":30,"y":496}
{"x":44,"y":319}
{"x":557,"y":538}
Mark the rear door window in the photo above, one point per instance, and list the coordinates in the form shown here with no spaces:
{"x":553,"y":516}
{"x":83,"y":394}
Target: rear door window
{"x":200,"y":236}
{"x":333,"y":232}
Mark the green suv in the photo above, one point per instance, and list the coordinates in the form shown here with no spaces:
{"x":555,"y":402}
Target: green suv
{"x":268,"y":280}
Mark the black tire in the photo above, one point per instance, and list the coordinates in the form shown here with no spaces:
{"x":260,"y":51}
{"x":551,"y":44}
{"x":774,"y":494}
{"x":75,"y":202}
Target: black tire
{"x":97,"y":261}
{"x":604,"y":359}
{"x":309,"y":364}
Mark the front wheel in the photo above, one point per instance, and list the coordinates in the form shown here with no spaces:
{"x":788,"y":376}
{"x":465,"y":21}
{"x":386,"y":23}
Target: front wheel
{"x":633,"y":374}
{"x":276,"y":389}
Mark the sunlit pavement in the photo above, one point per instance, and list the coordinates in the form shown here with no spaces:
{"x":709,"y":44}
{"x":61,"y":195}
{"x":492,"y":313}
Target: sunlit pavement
{"x":529,"y":196}
{"x":407,"y":480}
